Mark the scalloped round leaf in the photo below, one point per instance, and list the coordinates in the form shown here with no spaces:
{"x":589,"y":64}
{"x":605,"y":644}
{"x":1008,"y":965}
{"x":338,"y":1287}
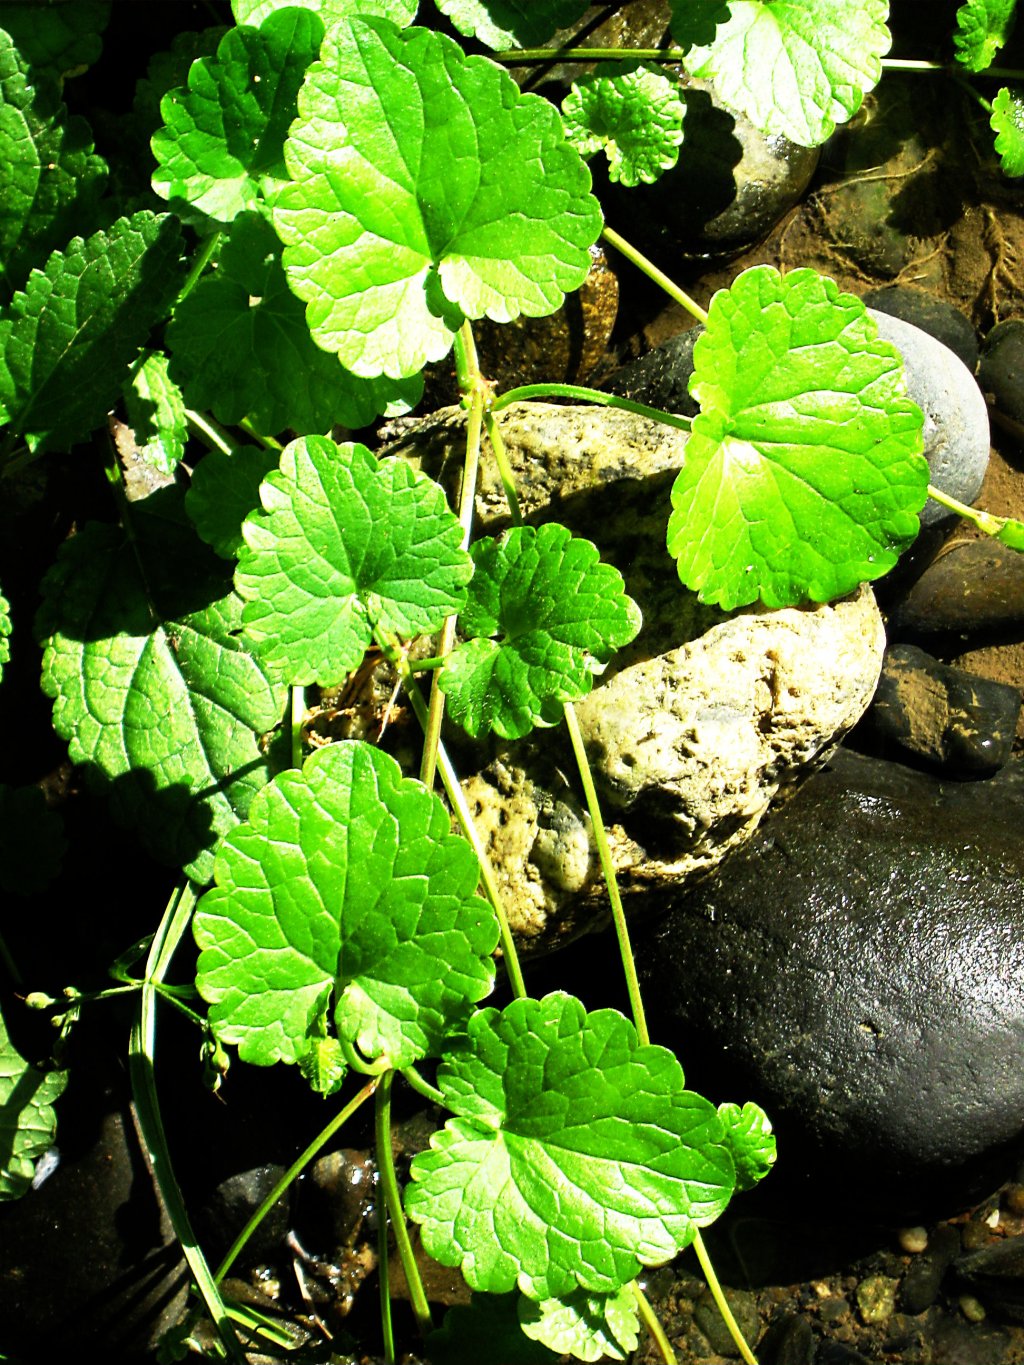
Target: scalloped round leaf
{"x":68,"y":337}
{"x":749,"y":1136}
{"x":469,"y":204}
{"x":61,"y":39}
{"x":5,"y":634}
{"x":633,"y":113}
{"x":156,"y":414}
{"x":803,"y":475}
{"x":400,"y":12}
{"x":561,"y":615}
{"x":795,"y":67}
{"x":32,"y":842}
{"x":1007,"y":122}
{"x":240,"y":347}
{"x":583,"y":1325}
{"x":152,"y":687}
{"x":27,"y":1121}
{"x":224,"y":490}
{"x":982,"y":28}
{"x":347,"y":543}
{"x":220,"y":149}
{"x":511,"y":23}
{"x":487,"y":1328}
{"x":575,"y":1157}
{"x":345,"y":881}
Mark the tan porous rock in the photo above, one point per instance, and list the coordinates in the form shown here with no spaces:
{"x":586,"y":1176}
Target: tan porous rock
{"x":695,"y":728}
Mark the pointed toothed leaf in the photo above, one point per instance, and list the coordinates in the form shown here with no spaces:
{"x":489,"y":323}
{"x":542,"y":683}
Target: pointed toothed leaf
{"x":220,"y":149}
{"x":27,"y":1121}
{"x":61,"y":39}
{"x":795,"y":67}
{"x":749,"y":1136}
{"x":1007,"y":122}
{"x":485,"y":1329}
{"x":241,"y":347}
{"x":803,"y":475}
{"x":156,"y":414}
{"x":5,"y":633}
{"x":471,"y":203}
{"x":50,"y":178}
{"x":67,"y":340}
{"x":151,"y":685}
{"x":584,"y":1325}
{"x":346,"y":543}
{"x":576,"y":1156}
{"x":561,"y":615}
{"x":400,"y":12}
{"x":982,"y":28}
{"x":225,"y":489}
{"x":344,"y":884}
{"x":32,"y":843}
{"x":511,"y":23}
{"x":633,"y":113}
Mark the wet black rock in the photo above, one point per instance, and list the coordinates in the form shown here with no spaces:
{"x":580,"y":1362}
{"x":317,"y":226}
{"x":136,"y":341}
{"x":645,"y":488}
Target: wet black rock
{"x":858,"y":969}
{"x":920,"y":1285}
{"x":788,"y":1341}
{"x":934,"y":316}
{"x":1001,"y":372}
{"x":661,"y":377}
{"x":996,"y":1275}
{"x":946,"y":717}
{"x":975,"y":588}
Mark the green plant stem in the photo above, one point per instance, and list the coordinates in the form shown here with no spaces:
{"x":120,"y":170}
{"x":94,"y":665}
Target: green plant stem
{"x":453,"y":790}
{"x":291,"y":1174}
{"x":298,"y":715}
{"x":210,"y":433}
{"x":268,"y":442}
{"x":389,"y":1182}
{"x":608,"y":400}
{"x":604,"y":854}
{"x":141,"y":1054}
{"x":517,"y":56}
{"x":202,"y":259}
{"x":508,"y":481}
{"x":984,"y":521}
{"x":908,"y":64}
{"x":653,"y":1325}
{"x":652,"y":272}
{"x":422,"y":1087}
{"x":720,"y":1300}
{"x":468,"y":368}
{"x":384,"y":1276}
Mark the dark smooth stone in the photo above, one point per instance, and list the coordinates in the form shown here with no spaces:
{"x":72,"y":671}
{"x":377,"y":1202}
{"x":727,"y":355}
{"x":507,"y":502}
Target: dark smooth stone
{"x":976,"y":587}
{"x":788,"y":1341}
{"x":934,"y":316}
{"x":996,"y":1275}
{"x":835,"y":1353}
{"x":920,"y":1286}
{"x":945,"y":716}
{"x":661,"y":377}
{"x":1001,"y":372}
{"x":711,"y":1323}
{"x":858,"y":969}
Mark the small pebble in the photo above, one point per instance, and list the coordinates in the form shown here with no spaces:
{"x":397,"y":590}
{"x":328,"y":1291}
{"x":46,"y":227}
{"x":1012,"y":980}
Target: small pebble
{"x":972,"y":1309}
{"x":876,"y":1298}
{"x":913,"y":1240}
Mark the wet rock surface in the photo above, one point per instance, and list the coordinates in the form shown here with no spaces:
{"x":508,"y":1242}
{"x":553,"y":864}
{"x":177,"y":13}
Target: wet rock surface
{"x":976,"y":587}
{"x":1001,"y":371}
{"x":860,"y":969}
{"x":930,"y":314}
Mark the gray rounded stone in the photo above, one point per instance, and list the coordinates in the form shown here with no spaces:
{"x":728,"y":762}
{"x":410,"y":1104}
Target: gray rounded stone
{"x":858,"y":969}
{"x":956,"y":428}
{"x":938,"y":318}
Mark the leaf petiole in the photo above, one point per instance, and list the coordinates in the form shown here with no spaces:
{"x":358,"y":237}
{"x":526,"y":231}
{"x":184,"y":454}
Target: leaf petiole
{"x":652,"y":272}
{"x":422,"y":1086}
{"x":608,"y":400}
{"x":653,"y":1324}
{"x":393,"y":1198}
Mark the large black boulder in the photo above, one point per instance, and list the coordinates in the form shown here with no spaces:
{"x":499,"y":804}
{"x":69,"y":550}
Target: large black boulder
{"x":858,"y":969}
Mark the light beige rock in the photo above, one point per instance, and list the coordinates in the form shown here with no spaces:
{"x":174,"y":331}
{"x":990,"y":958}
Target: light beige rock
{"x":695,"y":728}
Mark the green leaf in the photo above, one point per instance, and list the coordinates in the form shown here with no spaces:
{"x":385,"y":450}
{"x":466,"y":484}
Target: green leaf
{"x":5,"y":632}
{"x":167,"y":70}
{"x":586,"y":1326}
{"x":67,"y":340}
{"x":347,"y":545}
{"x":50,"y":178}
{"x":225,"y":489}
{"x":156,"y":414}
{"x":345,"y":879}
{"x":633,"y":113}
{"x":982,"y":28}
{"x":152,"y":686}
{"x":803,"y":475}
{"x":1012,"y":533}
{"x":795,"y":67}
{"x":575,"y":1158}
{"x":485,"y":1329}
{"x":240,"y":346}
{"x":32,"y":843}
{"x":511,"y":23}
{"x":60,"y":39}
{"x":400,"y":12}
{"x":561,"y":615}
{"x":1007,"y":123}
{"x":27,"y":1121}
{"x":220,"y":150}
{"x":471,"y":203}
{"x":749,"y":1136}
